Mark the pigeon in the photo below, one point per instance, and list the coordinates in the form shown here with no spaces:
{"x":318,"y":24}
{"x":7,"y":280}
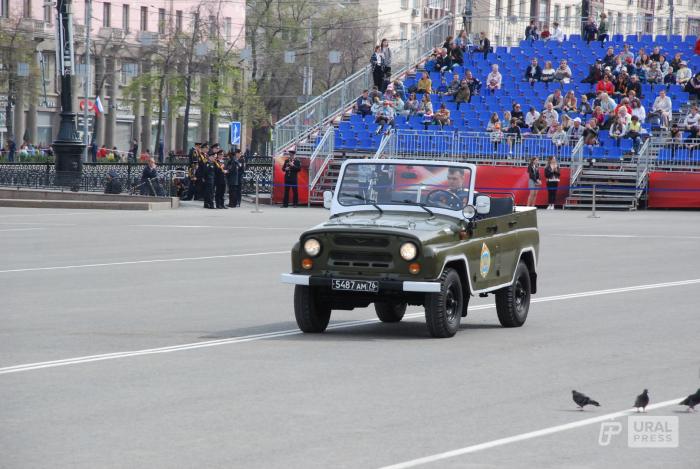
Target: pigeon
{"x":642,"y":401}
{"x":582,"y":400}
{"x":691,"y":401}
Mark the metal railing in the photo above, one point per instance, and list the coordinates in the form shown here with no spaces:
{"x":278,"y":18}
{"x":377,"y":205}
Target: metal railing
{"x":642,"y":169}
{"x":673,"y":155}
{"x":319,"y":159}
{"x":483,"y":147}
{"x":323,"y":108}
{"x":576,"y":162}
{"x":387,"y":139}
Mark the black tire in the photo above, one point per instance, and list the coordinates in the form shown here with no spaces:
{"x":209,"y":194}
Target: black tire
{"x":390,"y":312}
{"x":443,"y":311}
{"x":311,"y":316}
{"x":513,"y":302}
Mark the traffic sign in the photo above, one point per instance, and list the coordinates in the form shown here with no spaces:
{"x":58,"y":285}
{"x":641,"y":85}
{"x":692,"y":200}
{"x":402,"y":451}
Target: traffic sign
{"x":235,"y":133}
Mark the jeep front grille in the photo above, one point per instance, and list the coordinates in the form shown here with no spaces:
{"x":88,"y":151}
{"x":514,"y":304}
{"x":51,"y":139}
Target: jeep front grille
{"x":361,"y":241}
{"x":360,"y":259}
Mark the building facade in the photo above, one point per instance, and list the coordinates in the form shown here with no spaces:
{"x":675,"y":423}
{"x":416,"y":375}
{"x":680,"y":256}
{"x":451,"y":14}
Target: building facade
{"x":127,"y":38}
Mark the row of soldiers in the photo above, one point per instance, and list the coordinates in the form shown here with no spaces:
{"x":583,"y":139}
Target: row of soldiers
{"x":210,"y":171}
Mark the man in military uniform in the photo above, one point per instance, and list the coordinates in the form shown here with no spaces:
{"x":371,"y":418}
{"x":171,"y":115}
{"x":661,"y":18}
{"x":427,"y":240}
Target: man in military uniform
{"x":192,"y":172}
{"x":209,"y":177}
{"x":234,"y":178}
{"x":291,"y":168}
{"x":220,"y":179}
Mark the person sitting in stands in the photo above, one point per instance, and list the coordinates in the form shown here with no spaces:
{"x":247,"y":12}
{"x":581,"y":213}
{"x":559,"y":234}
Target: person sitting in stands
{"x":605,"y":85}
{"x":442,"y":117}
{"x":484,"y":45}
{"x":590,"y":31}
{"x":570,"y":102}
{"x":563,"y":73}
{"x":557,"y":34}
{"x":654,"y":76}
{"x":517,"y":115}
{"x":586,"y":107}
{"x":558,"y":135}
{"x":547,"y":73}
{"x":385,"y":117}
{"x":540,"y":126}
{"x":624,"y":104}
{"x":533,"y":72}
{"x":683,"y":75}
{"x":363,"y":104}
{"x":426,"y":106}
{"x":625,"y":54}
{"x":513,"y":135}
{"x":463,"y":94}
{"x":598,"y":116}
{"x":638,"y":110}
{"x":550,"y":114}
{"x":376,"y":105}
{"x":473,"y":82}
{"x":456,"y":55}
{"x":556,"y":99}
{"x":622,"y":83}
{"x":575,"y":132}
{"x":494,"y":121}
{"x":425,"y":84}
{"x":494,"y":79}
{"x":531,"y":116}
{"x":566,"y":122}
{"x":412,"y":105}
{"x":595,"y":73}
{"x":531,"y":32}
{"x":609,"y":58}
{"x":663,"y":108}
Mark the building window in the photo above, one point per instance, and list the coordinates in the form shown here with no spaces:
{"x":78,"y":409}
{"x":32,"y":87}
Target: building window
{"x":557,"y":12}
{"x":212,"y":25}
{"x":403,"y":32}
{"x":161,"y":20}
{"x":4,"y":8}
{"x":227,"y":28}
{"x":498,"y":8}
{"x":178,"y":21}
{"x":404,"y":4}
{"x":144,"y":18}
{"x":27,"y":8}
{"x":567,"y":16}
{"x":125,"y":18}
{"x":48,"y":13}
{"x":106,"y":15}
{"x":414,"y":30}
{"x":544,"y":11}
{"x":523,"y":6}
{"x":416,"y":3}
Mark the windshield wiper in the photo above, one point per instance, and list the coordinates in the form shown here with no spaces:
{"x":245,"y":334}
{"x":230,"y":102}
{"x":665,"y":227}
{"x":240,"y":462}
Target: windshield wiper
{"x":359,"y":197}
{"x":420,"y":204}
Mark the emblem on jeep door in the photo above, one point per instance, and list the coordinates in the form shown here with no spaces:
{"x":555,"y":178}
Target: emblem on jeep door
{"x":485,"y":263}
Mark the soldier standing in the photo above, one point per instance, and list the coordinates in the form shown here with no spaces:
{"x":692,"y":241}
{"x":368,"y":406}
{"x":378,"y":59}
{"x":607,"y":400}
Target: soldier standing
{"x":291,"y":168}
{"x":235,"y":170}
{"x":220,"y":179}
{"x":209,"y":176}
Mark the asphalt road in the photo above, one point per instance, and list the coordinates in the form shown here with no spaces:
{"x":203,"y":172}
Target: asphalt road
{"x":90,"y":283}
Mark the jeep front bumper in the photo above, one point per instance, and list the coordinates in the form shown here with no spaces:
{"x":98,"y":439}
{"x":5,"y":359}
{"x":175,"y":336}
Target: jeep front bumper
{"x":384,"y":285}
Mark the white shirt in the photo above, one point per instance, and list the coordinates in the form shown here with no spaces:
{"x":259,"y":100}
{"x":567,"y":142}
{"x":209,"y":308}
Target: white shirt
{"x":557,"y":35}
{"x":640,"y":112}
{"x":691,"y":120}
{"x":530,"y":118}
{"x":550,"y":116}
{"x":662,"y":104}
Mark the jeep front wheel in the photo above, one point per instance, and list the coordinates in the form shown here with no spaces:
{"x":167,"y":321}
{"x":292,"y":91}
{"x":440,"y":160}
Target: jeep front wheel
{"x":443,"y":310}
{"x":310,"y":313}
{"x":390,"y":312}
{"x":513,"y":302}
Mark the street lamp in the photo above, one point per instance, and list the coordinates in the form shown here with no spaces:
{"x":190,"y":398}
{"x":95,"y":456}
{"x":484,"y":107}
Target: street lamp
{"x":68,"y":147}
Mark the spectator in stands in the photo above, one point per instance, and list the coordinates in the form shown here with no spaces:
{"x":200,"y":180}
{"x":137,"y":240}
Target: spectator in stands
{"x":556,"y":99}
{"x":494,"y":123}
{"x":599,"y":116}
{"x":622,"y":84}
{"x":399,"y":105}
{"x":624,"y":104}
{"x":655,"y":54}
{"x":675,"y":139}
{"x":590,"y":30}
{"x":551,"y":175}
{"x":494,"y":79}
{"x":442,"y":117}
{"x":533,"y":180}
{"x":638,"y":110}
{"x":363,"y":104}
{"x":557,"y":34}
{"x":531,"y":117}
{"x":454,"y":85}
{"x":517,"y":115}
{"x":566,"y":122}
{"x":545,"y":34}
{"x":427,"y":114}
{"x":547,"y":72}
{"x":473,"y":82}
{"x":484,"y":45}
{"x":563,"y":73}
{"x":425,"y":84}
{"x":619,"y":67}
{"x":444,"y":61}
{"x":531,"y":32}
{"x":557,"y":135}
{"x":456,"y":55}
{"x":385,"y":116}
{"x":463,"y":94}
{"x":595,"y":73}
{"x":507,"y":117}
{"x":605,"y":86}
{"x":540,"y":126}
{"x":640,"y":53}
{"x":654,"y":76}
{"x":550,"y":115}
{"x":665,"y":68}
{"x":464,"y":42}
{"x":635,"y":85}
{"x":586,"y":107}
{"x":575,"y":132}
{"x":603,"y":29}
{"x":448,"y":42}
{"x":663,"y":108}
{"x":533,"y":72}
{"x":102,"y":152}
{"x":374,"y":93}
{"x":386,"y":55}
{"x":607,"y":104}
{"x":618,"y":128}
{"x":693,"y":87}
{"x":426,"y":106}
{"x":376,"y":105}
{"x":634,"y":132}
{"x":691,"y":122}
{"x":609,"y":59}
{"x":625,"y":54}
{"x":377,"y":62}
{"x":683,"y":75}
{"x":412,"y":105}
{"x":400,"y":88}
{"x":590,"y":133}
{"x":512,"y":135}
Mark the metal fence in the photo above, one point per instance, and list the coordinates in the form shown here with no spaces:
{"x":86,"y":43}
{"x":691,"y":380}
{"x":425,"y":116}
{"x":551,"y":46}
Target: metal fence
{"x":674,"y":155}
{"x":321,"y":156}
{"x":319,"y":111}
{"x":43,"y":176}
{"x":484,"y":147}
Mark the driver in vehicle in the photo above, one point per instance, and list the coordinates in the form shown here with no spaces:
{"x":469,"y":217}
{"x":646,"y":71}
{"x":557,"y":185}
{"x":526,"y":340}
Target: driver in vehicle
{"x":455,"y":184}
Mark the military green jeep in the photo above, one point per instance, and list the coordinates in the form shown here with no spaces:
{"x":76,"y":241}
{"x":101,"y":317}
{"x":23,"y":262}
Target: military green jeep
{"x":414,"y":232}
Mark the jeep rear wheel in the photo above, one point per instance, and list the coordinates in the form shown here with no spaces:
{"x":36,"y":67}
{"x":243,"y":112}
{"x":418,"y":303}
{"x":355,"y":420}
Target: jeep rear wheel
{"x":310,"y":313}
{"x":513,"y":302}
{"x":443,"y":310}
{"x":390,"y":312}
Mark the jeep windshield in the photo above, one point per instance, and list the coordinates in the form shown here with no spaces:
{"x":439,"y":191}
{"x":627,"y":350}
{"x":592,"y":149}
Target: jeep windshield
{"x":428,"y":186}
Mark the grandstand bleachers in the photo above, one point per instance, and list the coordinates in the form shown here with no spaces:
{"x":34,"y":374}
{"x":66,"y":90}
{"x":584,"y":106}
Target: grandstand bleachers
{"x":358,"y":133}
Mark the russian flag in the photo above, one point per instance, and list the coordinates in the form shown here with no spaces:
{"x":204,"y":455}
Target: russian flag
{"x":98,"y":105}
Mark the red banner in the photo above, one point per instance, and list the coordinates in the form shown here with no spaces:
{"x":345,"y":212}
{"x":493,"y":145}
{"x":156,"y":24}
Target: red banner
{"x":514,"y":180}
{"x":278,"y":180}
{"x":674,"y":190}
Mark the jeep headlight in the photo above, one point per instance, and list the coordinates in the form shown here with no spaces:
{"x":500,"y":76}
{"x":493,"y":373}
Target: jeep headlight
{"x":408,"y":251}
{"x":312,"y":247}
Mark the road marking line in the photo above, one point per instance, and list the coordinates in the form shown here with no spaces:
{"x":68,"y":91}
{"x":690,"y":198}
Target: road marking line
{"x":22,"y":229}
{"x":525,"y":436}
{"x":219,"y":227}
{"x":149,"y":261}
{"x":36,"y":223}
{"x":623,"y":236}
{"x":288,"y":332}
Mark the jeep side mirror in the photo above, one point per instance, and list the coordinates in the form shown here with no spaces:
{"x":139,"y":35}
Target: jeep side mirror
{"x":483,"y":204}
{"x":327,"y":199}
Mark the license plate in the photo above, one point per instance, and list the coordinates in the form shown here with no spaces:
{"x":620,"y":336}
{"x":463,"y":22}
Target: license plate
{"x":369,"y":286}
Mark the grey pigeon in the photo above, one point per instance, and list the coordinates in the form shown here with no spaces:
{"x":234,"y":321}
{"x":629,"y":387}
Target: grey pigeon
{"x":582,"y":400}
{"x":691,"y":401}
{"x":642,"y":401}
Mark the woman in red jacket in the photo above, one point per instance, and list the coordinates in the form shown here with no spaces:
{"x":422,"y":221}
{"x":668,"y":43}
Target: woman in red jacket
{"x":605,"y":85}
